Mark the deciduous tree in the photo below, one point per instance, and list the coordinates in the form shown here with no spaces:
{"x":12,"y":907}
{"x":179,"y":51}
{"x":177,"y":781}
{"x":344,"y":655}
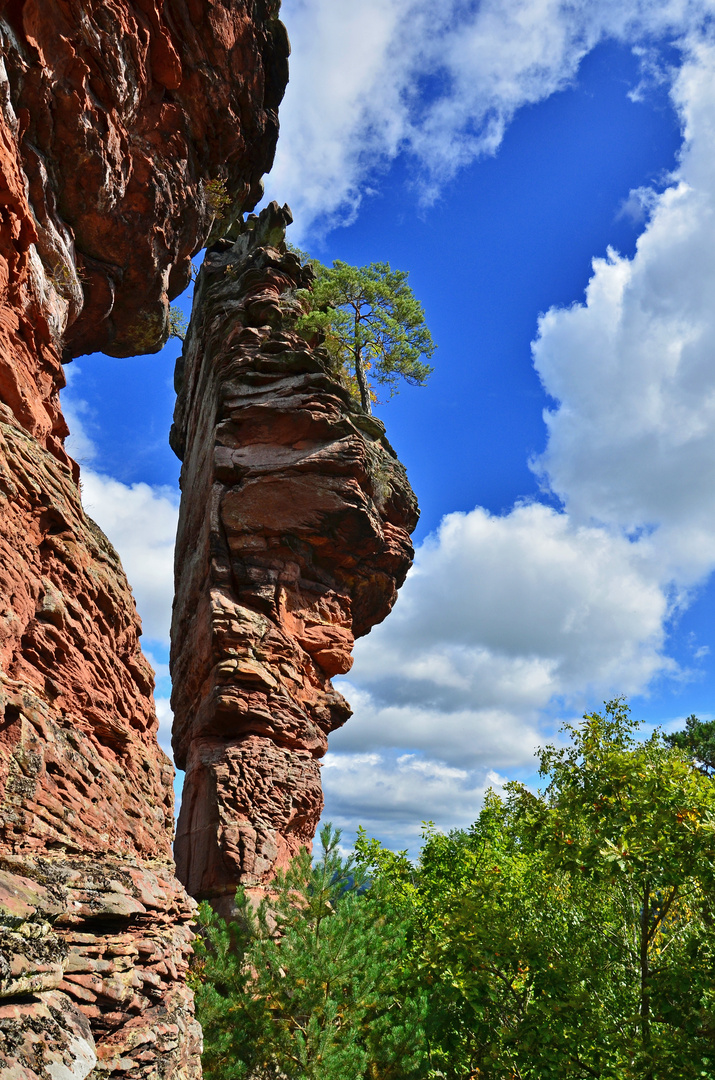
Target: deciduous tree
{"x":567,"y":935}
{"x":571,"y":934}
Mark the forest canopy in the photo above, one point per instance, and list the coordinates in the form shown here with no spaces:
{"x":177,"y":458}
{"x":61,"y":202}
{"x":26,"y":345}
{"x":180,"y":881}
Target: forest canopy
{"x":567,"y":934}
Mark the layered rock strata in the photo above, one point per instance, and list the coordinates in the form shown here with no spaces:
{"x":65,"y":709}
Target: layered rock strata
{"x":93,"y":962}
{"x":293,"y":539}
{"x":126,"y":131}
{"x":86,"y":800}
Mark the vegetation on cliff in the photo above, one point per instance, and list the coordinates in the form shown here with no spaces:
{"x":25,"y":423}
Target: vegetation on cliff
{"x":567,"y":934}
{"x":302,"y":547}
{"x":373,"y":325}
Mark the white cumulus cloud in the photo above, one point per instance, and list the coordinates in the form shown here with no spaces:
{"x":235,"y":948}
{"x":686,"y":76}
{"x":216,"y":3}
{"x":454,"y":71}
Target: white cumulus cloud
{"x":166,"y":719}
{"x":140,"y":520}
{"x":438,"y":83}
{"x":632,"y":436}
{"x":509,"y":621}
{"x":505,"y":623}
{"x":503,"y":611}
{"x":388,"y":794}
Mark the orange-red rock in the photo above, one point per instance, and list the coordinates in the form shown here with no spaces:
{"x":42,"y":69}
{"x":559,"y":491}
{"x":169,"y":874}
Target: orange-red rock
{"x":293,"y":539}
{"x":123,"y":112}
{"x":116,"y":117}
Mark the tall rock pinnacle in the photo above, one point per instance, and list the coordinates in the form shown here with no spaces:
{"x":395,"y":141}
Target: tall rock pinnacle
{"x":293,"y":540}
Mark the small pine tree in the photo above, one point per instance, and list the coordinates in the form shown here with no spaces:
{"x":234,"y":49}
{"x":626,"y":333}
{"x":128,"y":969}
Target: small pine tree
{"x":311,"y":985}
{"x":374,"y":327}
{"x":698,"y":740}
{"x":177,"y":323}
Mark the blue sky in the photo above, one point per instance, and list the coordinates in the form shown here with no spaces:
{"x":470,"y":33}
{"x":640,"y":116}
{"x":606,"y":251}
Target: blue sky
{"x":564,"y":450}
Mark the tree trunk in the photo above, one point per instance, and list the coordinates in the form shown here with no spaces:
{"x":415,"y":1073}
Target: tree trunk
{"x":362,"y":383}
{"x":359,"y":366}
{"x":645,"y":972}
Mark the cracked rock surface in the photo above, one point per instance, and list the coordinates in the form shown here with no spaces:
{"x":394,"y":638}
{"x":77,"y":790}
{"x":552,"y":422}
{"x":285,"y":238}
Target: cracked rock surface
{"x":93,"y":959}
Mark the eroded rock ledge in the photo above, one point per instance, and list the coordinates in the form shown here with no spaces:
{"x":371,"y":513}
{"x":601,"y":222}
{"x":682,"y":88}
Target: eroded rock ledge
{"x":293,"y":540}
{"x":93,"y":962}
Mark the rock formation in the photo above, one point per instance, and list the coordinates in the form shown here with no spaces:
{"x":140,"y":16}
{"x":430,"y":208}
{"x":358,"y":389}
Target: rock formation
{"x":124,"y":113}
{"x":121,"y":124}
{"x":293,"y":539}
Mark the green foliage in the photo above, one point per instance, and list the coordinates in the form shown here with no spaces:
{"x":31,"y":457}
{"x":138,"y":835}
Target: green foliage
{"x":65,"y":278}
{"x":177,"y":323}
{"x":301,"y":253}
{"x":309,"y":987}
{"x":217,"y":197}
{"x":698,"y":741}
{"x":373,"y":324}
{"x":566,"y":935}
{"x":570,"y":934}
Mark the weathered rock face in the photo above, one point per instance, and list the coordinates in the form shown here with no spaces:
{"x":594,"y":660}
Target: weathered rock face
{"x":124,"y":114}
{"x":93,"y":923}
{"x":120,"y":124}
{"x":293,"y":539}
{"x":80,"y":769}
{"x":93,"y":959}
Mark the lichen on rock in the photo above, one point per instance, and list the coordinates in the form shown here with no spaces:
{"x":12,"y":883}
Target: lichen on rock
{"x":93,"y":970}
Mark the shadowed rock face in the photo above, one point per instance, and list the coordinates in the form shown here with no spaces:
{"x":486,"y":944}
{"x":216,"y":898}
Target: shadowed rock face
{"x":123,"y":113}
{"x":114,"y":117}
{"x":293,"y":540}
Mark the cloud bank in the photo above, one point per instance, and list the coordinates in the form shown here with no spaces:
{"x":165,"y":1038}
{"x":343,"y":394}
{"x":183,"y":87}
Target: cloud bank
{"x":140,"y":520}
{"x":508,"y":621}
{"x":438,"y":83}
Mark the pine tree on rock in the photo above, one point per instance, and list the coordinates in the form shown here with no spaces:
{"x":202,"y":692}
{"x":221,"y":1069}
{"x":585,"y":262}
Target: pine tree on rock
{"x":374,"y":326}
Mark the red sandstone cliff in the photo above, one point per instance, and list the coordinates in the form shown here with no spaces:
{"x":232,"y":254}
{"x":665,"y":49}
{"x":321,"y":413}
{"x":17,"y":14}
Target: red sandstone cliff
{"x":293,"y":539}
{"x":114,"y":118}
{"x":121,"y":113}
